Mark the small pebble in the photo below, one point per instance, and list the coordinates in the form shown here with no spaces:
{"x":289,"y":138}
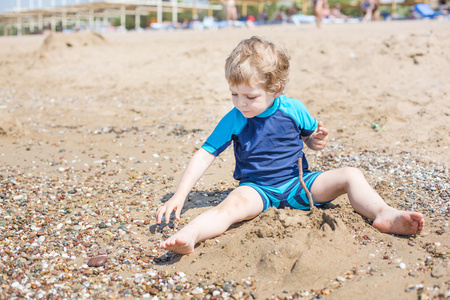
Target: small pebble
{"x":97,"y":261}
{"x":438,"y":272}
{"x":102,"y":225}
{"x":228,"y":288}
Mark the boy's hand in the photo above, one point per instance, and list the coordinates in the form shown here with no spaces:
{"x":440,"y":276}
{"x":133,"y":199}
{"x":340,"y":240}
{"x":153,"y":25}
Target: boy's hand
{"x":196,"y":167}
{"x":320,"y":137}
{"x":173,"y":204}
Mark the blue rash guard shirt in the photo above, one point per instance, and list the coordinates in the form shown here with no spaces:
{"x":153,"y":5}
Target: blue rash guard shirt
{"x":266,"y":147}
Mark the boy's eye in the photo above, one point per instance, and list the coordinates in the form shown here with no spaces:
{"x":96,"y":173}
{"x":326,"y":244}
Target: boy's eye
{"x":233,"y":94}
{"x":251,"y":97}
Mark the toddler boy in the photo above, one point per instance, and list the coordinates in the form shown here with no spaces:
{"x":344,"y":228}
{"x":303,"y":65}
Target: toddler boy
{"x":269,"y":131}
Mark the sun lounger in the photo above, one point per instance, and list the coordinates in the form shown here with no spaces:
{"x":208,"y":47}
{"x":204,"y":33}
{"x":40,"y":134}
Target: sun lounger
{"x":302,"y":19}
{"x":422,"y":10}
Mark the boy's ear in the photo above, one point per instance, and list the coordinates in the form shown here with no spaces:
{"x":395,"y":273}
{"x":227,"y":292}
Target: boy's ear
{"x":277,"y":94}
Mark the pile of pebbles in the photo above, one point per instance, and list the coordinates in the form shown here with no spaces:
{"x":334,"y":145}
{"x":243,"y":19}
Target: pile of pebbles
{"x":94,"y":240}
{"x":404,"y":180}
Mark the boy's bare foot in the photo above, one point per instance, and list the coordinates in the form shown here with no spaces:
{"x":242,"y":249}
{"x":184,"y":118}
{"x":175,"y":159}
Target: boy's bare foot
{"x":178,"y":245}
{"x":399,"y":222}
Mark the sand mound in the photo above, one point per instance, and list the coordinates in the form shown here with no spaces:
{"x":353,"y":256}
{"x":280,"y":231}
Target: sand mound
{"x":289,"y":248}
{"x":57,"y":41}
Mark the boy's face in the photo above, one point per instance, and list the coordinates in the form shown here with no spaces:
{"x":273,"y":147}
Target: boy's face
{"x":251,"y":101}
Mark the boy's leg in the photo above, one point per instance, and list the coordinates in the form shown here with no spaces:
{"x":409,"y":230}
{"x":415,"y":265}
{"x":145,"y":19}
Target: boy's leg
{"x":366,"y":201}
{"x":243,"y":203}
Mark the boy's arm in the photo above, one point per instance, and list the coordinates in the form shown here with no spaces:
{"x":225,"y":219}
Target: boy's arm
{"x":196,"y":167}
{"x":318,"y":139}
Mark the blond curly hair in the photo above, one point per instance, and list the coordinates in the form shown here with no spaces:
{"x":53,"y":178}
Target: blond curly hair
{"x":256,"y":61}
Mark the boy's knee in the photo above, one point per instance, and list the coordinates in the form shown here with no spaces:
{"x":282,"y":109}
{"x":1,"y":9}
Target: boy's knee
{"x":243,"y":201}
{"x":352,"y":172}
{"x":231,"y":204}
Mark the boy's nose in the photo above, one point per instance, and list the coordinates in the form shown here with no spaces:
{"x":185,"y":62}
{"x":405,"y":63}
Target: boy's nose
{"x":243,"y":102}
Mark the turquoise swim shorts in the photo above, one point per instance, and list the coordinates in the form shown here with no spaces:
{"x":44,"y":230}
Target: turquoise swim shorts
{"x":290,"y":194}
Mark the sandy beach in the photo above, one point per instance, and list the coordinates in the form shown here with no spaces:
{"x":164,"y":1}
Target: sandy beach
{"x":95,"y":131}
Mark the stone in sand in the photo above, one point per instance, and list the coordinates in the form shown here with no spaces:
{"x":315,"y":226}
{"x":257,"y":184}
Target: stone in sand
{"x":97,"y":261}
